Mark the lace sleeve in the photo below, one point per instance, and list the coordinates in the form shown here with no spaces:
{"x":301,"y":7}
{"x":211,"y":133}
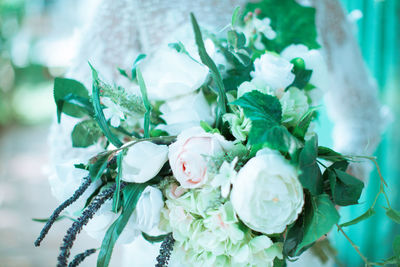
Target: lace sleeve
{"x":352,"y":100}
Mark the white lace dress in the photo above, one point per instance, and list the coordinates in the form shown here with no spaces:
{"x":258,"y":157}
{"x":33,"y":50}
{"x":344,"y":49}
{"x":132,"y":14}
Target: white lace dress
{"x":121,"y":29}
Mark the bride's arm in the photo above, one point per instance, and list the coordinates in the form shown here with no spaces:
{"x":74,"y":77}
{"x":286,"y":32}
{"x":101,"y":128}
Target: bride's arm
{"x":352,"y":100}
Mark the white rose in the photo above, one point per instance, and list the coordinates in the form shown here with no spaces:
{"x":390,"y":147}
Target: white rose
{"x":169,"y":74}
{"x":143,"y":161}
{"x":267,"y":194}
{"x":185,"y":112}
{"x":274,"y":70}
{"x":313,"y":60}
{"x":144,"y":218}
{"x":187,"y":155}
{"x":294,"y":105}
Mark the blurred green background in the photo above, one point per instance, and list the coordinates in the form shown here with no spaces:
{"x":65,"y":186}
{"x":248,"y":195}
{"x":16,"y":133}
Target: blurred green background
{"x":37,"y":43}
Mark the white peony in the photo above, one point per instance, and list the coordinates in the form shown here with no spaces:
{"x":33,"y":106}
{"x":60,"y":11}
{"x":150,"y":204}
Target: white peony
{"x":274,"y":70}
{"x":267,"y":195}
{"x":187,"y":155}
{"x":185,"y":112}
{"x":313,"y":60}
{"x":143,"y":161}
{"x":169,"y":74}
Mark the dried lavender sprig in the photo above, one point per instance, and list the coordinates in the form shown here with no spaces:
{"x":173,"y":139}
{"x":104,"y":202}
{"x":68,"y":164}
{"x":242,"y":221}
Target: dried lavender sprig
{"x":75,"y":229}
{"x":165,"y":251}
{"x":79,"y":192}
{"x":78,"y":259}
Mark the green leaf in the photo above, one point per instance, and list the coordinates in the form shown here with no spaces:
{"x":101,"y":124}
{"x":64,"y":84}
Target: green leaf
{"x":329,"y":154}
{"x":67,"y":89}
{"x":153,"y":239}
{"x":98,"y":164}
{"x":310,"y":176}
{"x":59,"y":218}
{"x":236,"y":39}
{"x":235,"y":16}
{"x":319,"y":220}
{"x":302,"y":126}
{"x":302,"y":74}
{"x":117,"y":196}
{"x":347,"y":190}
{"x":294,"y":237}
{"x":293,"y":23}
{"x":139,"y":59}
{"x":366,"y":215}
{"x":396,"y":246}
{"x":85,"y":133}
{"x":394,"y":215}
{"x":99,"y":115}
{"x":123,"y":73}
{"x":206,"y":59}
{"x":146,"y":103}
{"x":206,"y":127}
{"x":131,"y":194}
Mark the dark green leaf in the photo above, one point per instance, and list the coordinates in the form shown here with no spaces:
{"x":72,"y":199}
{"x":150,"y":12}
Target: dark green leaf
{"x":99,"y":115}
{"x":73,"y":89}
{"x":294,"y":237}
{"x":116,"y":197}
{"x":293,"y":23}
{"x":328,"y":154}
{"x":206,"y":59}
{"x":302,"y":126}
{"x":347,"y":190}
{"x":310,"y":176}
{"x":319,"y":220}
{"x":396,"y":246}
{"x":302,"y":74}
{"x":394,"y":215}
{"x":85,"y":133}
{"x":98,"y":164}
{"x":131,"y":194}
{"x":369,"y":213}
{"x":153,"y":239}
{"x":146,"y":103}
{"x":139,"y":59}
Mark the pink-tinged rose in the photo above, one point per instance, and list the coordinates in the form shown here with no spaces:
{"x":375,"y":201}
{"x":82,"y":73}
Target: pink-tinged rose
{"x":188,"y":155}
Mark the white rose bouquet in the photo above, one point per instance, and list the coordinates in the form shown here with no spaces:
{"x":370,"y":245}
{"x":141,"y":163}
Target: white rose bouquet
{"x":219,"y":162}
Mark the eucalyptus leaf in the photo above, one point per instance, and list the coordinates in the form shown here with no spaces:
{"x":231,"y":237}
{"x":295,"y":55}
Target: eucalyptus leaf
{"x":366,"y":215}
{"x":320,"y":220}
{"x":131,"y":194}
{"x":85,"y":133}
{"x":394,"y":215}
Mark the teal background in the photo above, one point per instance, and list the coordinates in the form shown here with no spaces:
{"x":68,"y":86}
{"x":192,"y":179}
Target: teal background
{"x":378,"y":33}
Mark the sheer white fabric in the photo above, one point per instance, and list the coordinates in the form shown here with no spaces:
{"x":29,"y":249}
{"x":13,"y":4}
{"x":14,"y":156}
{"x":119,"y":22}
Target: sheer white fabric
{"x":121,"y":29}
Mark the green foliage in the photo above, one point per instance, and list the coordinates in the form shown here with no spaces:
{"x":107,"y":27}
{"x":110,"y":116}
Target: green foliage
{"x":153,"y":239}
{"x":394,"y":215}
{"x":71,"y":98}
{"x":236,"y":39}
{"x":131,"y":195}
{"x":319,"y":219}
{"x":138,"y":60}
{"x":85,"y":133}
{"x":366,"y":215}
{"x":146,"y":103}
{"x":130,"y":102}
{"x":310,"y":176}
{"x":293,"y":23}
{"x":294,"y":236}
{"x":206,"y":127}
{"x":302,"y":74}
{"x":330,"y":155}
{"x":206,"y":59}
{"x":116,"y":197}
{"x":235,"y":16}
{"x":347,"y":189}
{"x":302,"y":126}
{"x":98,"y":164}
{"x":99,"y":115}
{"x":265,"y":113}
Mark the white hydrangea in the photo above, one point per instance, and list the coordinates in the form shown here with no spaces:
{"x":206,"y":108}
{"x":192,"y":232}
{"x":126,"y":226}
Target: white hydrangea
{"x":294,"y":105}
